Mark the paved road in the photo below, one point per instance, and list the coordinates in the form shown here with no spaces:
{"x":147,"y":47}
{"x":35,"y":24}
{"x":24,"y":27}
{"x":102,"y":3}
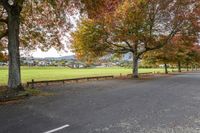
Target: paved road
{"x":163,"y":105}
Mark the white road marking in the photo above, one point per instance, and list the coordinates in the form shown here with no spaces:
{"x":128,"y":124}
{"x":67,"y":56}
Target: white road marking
{"x":57,"y":129}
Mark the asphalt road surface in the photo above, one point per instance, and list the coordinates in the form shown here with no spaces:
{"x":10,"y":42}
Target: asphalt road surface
{"x":161,"y":105}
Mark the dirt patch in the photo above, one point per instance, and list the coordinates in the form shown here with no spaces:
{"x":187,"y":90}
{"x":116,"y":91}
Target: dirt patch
{"x":7,"y":95}
{"x":145,"y":76}
{"x":12,"y":96}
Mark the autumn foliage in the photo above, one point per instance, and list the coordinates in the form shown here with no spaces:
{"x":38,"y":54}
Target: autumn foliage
{"x":136,"y":26}
{"x":181,"y":51}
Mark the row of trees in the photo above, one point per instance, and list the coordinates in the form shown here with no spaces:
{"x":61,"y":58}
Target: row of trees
{"x":137,"y":26}
{"x":181,"y":52}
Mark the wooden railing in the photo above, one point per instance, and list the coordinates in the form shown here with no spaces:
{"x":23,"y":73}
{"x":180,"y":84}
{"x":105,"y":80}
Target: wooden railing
{"x":47,"y":82}
{"x":32,"y":83}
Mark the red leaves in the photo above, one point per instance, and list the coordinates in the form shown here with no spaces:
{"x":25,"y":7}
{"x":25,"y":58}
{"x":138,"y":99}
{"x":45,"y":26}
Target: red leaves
{"x":98,"y":8}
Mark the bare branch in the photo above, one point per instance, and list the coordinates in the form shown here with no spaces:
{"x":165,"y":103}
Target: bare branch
{"x":119,"y":48}
{"x":129,"y":45}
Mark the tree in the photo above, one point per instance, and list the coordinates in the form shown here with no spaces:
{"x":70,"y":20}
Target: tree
{"x":12,"y":14}
{"x":193,"y":57}
{"x":13,"y":9}
{"x":42,"y":25}
{"x":182,"y":45}
{"x":160,"y":56}
{"x":136,"y":26}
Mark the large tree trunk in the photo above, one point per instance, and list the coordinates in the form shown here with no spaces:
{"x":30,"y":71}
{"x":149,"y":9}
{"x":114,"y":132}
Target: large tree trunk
{"x":135,"y":66}
{"x":166,"y":71}
{"x":179,"y":66}
{"x":14,"y":80}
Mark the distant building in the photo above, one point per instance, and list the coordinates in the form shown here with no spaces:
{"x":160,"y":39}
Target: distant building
{"x":27,"y":61}
{"x":42,"y":63}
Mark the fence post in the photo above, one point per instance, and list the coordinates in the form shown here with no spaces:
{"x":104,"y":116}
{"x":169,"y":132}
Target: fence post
{"x":32,"y":84}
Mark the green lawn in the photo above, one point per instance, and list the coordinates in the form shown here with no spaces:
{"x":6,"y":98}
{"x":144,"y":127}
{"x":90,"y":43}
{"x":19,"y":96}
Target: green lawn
{"x":50,"y":73}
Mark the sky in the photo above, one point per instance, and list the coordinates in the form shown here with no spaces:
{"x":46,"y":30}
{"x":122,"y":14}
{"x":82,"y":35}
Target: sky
{"x":51,"y":53}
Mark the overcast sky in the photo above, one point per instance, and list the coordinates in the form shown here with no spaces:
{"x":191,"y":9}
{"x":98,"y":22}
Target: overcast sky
{"x":51,"y":53}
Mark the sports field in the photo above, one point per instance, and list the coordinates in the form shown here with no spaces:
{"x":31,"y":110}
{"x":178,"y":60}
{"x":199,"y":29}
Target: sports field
{"x":51,"y":73}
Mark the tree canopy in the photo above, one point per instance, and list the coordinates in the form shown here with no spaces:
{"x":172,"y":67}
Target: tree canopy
{"x":181,"y":50}
{"x":135,"y":26}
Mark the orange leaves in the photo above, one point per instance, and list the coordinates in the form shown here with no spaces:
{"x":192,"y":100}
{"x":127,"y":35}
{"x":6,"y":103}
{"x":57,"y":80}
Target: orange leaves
{"x":181,"y":49}
{"x":135,"y":26}
{"x":98,"y":8}
{"x":3,"y":57}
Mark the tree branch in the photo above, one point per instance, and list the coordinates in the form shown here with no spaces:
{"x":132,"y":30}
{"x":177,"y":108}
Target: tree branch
{"x":120,"y":51}
{"x":129,"y":45}
{"x":169,"y":37}
{"x":120,"y":47}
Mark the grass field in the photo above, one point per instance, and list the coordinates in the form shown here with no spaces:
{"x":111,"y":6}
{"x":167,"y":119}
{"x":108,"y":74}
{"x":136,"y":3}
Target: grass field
{"x":50,"y":73}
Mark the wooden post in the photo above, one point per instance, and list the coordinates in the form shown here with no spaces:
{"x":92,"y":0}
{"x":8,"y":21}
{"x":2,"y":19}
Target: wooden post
{"x":32,"y":84}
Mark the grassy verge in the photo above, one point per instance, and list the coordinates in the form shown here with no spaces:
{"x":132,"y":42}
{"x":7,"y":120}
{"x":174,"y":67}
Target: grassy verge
{"x":56,"y":73}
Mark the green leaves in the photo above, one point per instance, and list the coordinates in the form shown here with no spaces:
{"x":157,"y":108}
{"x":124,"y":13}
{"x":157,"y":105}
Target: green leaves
{"x":52,"y":2}
{"x":88,"y":40}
